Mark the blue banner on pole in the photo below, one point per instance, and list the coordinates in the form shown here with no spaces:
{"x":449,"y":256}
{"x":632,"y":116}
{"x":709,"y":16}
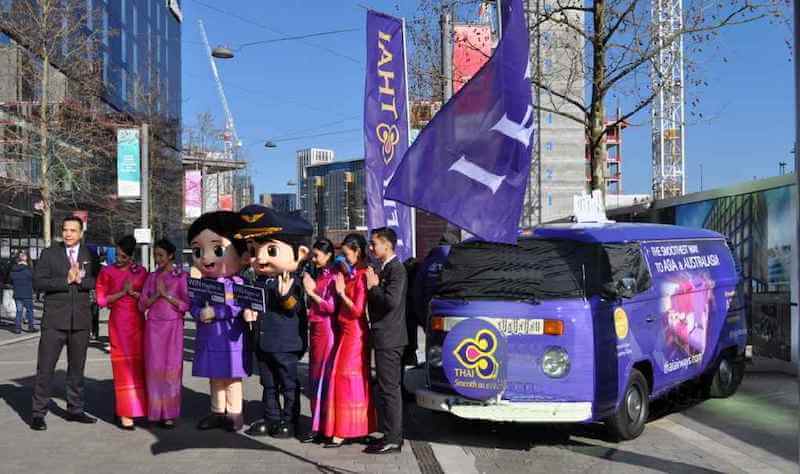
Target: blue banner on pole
{"x":386,"y":125}
{"x":128,"y":163}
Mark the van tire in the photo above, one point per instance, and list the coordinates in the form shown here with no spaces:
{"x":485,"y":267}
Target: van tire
{"x":726,"y":378}
{"x":629,"y":420}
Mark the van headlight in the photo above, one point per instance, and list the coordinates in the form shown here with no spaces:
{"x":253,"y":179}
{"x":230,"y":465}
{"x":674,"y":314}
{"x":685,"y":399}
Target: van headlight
{"x":435,"y":356}
{"x":555,"y":362}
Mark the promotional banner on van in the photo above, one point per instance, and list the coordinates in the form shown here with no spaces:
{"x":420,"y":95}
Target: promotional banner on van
{"x":696,"y":282}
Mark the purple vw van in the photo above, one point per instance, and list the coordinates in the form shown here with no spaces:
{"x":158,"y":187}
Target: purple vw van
{"x":583,"y":323}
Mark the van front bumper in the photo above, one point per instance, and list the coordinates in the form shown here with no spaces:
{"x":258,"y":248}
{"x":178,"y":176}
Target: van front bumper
{"x":525,"y":412}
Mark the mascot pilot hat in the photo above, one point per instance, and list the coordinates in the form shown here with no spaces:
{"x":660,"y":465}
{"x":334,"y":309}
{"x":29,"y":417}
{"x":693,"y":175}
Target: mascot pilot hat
{"x":278,"y":242}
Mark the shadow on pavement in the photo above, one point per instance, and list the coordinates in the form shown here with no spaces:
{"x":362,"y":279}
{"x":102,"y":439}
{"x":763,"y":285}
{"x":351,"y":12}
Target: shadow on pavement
{"x":99,"y":403}
{"x":524,"y":437}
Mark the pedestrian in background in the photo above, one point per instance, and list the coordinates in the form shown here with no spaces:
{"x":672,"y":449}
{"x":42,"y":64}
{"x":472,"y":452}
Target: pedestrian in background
{"x":349,"y":409}
{"x":389,"y":336}
{"x":65,"y":273}
{"x":164,"y":301}
{"x":21,"y":277}
{"x":321,"y":294}
{"x":119,"y":287}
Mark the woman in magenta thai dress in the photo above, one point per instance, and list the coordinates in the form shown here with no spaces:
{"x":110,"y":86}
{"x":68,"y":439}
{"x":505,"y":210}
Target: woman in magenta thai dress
{"x":350,"y":413}
{"x":165,"y":299}
{"x":322,"y":311}
{"x":118,"y":288}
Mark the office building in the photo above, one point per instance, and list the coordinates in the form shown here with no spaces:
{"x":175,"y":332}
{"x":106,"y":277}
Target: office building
{"x":281,"y":202}
{"x":138,"y":59}
{"x":305,"y":158}
{"x":337,"y":196}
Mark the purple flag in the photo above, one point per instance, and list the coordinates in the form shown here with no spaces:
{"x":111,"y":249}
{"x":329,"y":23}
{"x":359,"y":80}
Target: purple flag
{"x":471,"y":163}
{"x":386,"y":125}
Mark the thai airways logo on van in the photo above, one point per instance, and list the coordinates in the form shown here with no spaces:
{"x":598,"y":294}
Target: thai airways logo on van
{"x":474,"y":359}
{"x":477,"y":353}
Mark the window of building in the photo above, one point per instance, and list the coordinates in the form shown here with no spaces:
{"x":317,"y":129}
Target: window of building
{"x":548,"y":118}
{"x":135,"y":22}
{"x":123,"y":10}
{"x":105,"y":27}
{"x":548,"y":65}
{"x":123,"y":37}
{"x":89,"y":14}
{"x":123,"y":89}
{"x":548,"y":146}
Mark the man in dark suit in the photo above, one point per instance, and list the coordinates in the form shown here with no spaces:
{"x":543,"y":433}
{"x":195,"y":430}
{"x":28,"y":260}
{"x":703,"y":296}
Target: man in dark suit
{"x":386,"y":297}
{"x":66,"y":274}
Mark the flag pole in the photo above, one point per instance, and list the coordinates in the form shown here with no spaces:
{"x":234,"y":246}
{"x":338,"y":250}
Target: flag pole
{"x":411,"y":210}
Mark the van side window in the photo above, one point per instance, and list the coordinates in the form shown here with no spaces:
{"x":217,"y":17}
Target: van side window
{"x":625,"y":261}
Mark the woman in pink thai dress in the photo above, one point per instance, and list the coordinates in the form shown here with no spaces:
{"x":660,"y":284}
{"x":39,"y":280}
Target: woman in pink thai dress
{"x":350,"y":411}
{"x":118,"y":288}
{"x":321,"y":316}
{"x":165,"y":299}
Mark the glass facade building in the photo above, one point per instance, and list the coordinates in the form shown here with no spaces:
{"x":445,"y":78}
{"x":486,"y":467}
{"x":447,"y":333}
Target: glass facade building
{"x":141,"y":54}
{"x":336,"y":196}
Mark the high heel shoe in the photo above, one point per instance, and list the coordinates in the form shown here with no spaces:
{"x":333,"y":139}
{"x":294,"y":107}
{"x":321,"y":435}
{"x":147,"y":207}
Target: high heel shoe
{"x":125,"y":427}
{"x":334,"y":444}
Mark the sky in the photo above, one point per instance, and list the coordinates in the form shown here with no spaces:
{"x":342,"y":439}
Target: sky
{"x":313,"y":88}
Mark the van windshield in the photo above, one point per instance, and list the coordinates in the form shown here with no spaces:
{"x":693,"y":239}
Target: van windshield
{"x":536,"y":269}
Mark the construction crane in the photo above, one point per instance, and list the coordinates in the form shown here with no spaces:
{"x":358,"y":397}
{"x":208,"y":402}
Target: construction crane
{"x":669,"y":150}
{"x":229,"y":137}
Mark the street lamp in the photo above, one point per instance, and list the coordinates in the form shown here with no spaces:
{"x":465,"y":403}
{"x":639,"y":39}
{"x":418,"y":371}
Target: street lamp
{"x":223,"y":52}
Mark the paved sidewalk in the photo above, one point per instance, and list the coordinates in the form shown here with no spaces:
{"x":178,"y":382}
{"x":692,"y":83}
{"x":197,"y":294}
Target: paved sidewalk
{"x":8,"y":323}
{"x":103,"y":448}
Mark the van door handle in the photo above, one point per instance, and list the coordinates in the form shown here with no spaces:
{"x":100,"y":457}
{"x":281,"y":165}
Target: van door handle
{"x":650,"y":319}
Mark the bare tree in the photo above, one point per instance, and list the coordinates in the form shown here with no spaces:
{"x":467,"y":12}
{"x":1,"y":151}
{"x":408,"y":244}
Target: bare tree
{"x":590,"y":51}
{"x":61,"y":125}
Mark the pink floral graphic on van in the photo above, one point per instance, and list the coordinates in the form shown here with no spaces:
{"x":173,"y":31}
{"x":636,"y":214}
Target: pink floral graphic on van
{"x":688,"y":304}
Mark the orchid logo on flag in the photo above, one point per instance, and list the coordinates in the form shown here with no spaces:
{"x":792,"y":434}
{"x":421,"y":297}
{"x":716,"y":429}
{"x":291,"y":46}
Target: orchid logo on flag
{"x":471,"y":164}
{"x":389,"y":137}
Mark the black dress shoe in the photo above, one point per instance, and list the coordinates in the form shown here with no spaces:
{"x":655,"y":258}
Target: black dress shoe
{"x":214,"y":420}
{"x":259,"y":428}
{"x":234,"y":422}
{"x":284,"y":431}
{"x":167,"y":424}
{"x":310,"y":437}
{"x":384,"y":448}
{"x":81,"y":417}
{"x":38,"y":424}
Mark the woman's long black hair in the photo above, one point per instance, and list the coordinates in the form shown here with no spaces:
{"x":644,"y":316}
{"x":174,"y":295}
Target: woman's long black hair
{"x":356,"y":242}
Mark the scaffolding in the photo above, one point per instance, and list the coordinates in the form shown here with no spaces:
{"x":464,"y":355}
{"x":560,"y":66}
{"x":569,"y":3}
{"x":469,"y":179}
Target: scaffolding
{"x":669,"y":166}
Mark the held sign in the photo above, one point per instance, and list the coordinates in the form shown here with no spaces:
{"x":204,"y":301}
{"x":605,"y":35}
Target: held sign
{"x":250,"y":297}
{"x":205,"y":290}
{"x":474,"y":359}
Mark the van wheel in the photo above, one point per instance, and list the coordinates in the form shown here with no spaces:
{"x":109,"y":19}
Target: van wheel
{"x":628,"y":422}
{"x":726,"y":378}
